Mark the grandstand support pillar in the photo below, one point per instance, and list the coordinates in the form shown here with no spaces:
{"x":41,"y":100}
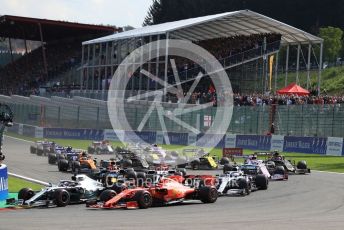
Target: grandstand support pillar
{"x":93,"y":66}
{"x":286,"y":66}
{"x":82,"y":66}
{"x":43,"y":50}
{"x":157,"y":60}
{"x":149,"y":57}
{"x":166,"y":64}
{"x":11,"y":52}
{"x":298,"y":63}
{"x":88,"y":68}
{"x":100,"y":64}
{"x":141,"y":60}
{"x":276,"y":70}
{"x":320,"y":66}
{"x":309,"y":64}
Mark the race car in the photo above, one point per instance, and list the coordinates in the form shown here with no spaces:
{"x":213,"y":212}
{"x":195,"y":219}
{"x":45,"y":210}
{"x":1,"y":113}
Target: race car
{"x":77,"y":162}
{"x":42,"y":147}
{"x":59,"y":153}
{"x":100,"y":147}
{"x":277,"y":162}
{"x":166,"y":191}
{"x":200,"y":159}
{"x":132,"y":158}
{"x":77,"y":190}
{"x":237,"y":182}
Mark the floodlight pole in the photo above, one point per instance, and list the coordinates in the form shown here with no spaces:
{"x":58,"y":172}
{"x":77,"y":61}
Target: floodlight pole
{"x":298,"y":63}
{"x":320,"y":66}
{"x":286,"y":67}
{"x":309,"y":64}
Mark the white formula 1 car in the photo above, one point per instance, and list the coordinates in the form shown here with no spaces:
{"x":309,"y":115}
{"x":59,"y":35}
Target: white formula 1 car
{"x":77,"y":190}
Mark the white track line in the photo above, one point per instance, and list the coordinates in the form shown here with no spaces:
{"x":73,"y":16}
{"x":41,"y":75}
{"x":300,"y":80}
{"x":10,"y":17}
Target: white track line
{"x":29,"y":179}
{"x":327,"y":172}
{"x":19,"y":139}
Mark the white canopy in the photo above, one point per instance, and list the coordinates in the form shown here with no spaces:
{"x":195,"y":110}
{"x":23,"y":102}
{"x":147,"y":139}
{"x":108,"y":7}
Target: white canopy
{"x":243,"y":22}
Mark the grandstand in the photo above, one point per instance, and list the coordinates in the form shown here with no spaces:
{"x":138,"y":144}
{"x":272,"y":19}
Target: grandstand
{"x":240,"y":40}
{"x":58,"y":53}
{"x":244,"y":30}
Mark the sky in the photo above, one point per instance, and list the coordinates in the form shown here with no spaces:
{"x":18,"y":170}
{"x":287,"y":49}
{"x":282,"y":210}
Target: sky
{"x":107,"y":12}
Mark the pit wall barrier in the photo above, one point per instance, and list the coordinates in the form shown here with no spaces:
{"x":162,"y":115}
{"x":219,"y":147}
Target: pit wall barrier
{"x":313,"y":145}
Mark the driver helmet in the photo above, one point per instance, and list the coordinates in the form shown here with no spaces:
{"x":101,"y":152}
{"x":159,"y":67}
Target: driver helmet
{"x":69,"y":149}
{"x":84,"y":154}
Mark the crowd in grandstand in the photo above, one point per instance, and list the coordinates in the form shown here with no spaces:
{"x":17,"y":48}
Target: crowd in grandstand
{"x":27,"y":74}
{"x":258,"y":99}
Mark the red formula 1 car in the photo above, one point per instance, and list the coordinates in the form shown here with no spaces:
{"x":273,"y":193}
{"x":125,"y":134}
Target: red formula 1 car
{"x":168,"y":190}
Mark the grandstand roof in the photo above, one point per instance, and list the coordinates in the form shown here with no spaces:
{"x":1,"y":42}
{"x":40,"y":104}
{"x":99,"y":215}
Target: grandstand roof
{"x":243,"y":22}
{"x":27,"y":28}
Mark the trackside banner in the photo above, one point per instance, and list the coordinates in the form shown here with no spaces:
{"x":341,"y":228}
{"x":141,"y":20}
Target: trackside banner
{"x":254,"y":142}
{"x":305,"y":144}
{"x":334,"y":146}
{"x":79,"y":134}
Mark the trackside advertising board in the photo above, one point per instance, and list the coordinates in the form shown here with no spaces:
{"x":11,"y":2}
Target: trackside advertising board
{"x":334,"y":146}
{"x":319,"y":145}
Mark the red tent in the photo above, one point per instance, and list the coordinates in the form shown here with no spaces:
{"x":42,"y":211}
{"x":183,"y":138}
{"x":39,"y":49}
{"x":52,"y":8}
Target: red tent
{"x":293,"y":88}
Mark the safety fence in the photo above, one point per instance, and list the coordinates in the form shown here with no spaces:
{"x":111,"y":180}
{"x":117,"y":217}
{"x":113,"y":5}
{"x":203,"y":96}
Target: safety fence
{"x":292,"y":120}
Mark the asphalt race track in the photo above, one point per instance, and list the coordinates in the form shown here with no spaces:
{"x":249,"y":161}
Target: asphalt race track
{"x":313,"y":201}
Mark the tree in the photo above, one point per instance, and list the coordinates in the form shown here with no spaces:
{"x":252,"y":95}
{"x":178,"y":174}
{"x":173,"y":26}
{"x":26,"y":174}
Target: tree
{"x":332,"y":42}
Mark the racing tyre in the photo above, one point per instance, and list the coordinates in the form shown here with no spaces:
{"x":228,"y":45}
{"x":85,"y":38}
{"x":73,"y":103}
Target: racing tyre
{"x":279,"y":170}
{"x":52,"y":158}
{"x":127,"y":163}
{"x":301,"y":165}
{"x":39,"y":152}
{"x":131,"y":175}
{"x":143,"y":199}
{"x":195,"y":164}
{"x":25,"y":194}
{"x":182,"y":170}
{"x":76,"y":166}
{"x":107,"y":194}
{"x":224,"y":160}
{"x":61,"y":198}
{"x":262,"y":182}
{"x":227,"y":168}
{"x":33,"y":149}
{"x":245,"y":186}
{"x":208,"y":194}
{"x":63,"y":165}
{"x":141,"y":178}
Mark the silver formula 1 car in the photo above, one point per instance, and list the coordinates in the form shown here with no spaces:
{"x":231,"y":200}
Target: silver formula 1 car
{"x":77,"y":190}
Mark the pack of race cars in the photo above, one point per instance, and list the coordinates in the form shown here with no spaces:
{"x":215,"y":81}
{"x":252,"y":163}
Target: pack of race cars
{"x":144,"y":176}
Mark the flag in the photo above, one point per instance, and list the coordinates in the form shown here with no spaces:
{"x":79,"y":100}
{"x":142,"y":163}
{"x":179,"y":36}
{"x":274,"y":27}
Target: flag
{"x":207,"y":120}
{"x":271,"y":62}
{"x":211,"y":89}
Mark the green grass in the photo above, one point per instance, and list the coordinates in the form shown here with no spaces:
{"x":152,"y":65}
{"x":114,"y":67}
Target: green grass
{"x":15,"y":184}
{"x":332,"y":80}
{"x":314,"y":161}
